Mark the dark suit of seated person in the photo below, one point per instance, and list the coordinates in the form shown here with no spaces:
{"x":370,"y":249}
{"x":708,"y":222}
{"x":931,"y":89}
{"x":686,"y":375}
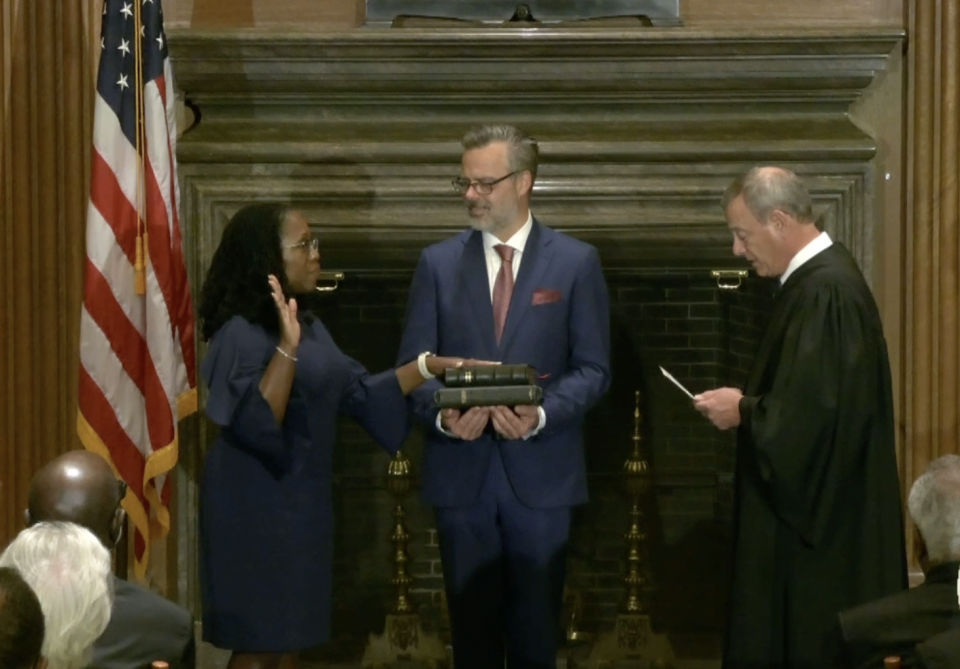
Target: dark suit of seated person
{"x":21,"y":623}
{"x":895,"y":624}
{"x":80,"y":487}
{"x":940,"y":652}
{"x":144,"y":627}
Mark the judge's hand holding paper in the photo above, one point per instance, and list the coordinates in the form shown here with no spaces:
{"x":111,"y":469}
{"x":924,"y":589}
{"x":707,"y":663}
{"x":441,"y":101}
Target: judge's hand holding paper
{"x":720,"y":406}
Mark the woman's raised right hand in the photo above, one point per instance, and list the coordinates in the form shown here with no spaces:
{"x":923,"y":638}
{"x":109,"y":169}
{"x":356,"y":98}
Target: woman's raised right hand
{"x":287,"y":311}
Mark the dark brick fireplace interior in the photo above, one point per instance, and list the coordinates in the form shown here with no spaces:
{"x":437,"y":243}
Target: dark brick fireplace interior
{"x":703,"y":334}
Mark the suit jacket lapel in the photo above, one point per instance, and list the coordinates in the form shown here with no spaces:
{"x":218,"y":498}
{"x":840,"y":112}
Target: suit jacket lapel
{"x":533,"y":263}
{"x":473,"y":276}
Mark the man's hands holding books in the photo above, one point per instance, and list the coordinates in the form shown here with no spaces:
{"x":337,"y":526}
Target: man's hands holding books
{"x":468,"y":425}
{"x":513,"y":423}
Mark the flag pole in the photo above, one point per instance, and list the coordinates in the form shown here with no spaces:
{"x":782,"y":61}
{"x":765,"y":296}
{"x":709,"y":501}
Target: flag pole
{"x":139,"y":267}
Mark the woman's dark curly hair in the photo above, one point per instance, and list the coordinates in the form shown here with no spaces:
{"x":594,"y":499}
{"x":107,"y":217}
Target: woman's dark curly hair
{"x":236,"y":283}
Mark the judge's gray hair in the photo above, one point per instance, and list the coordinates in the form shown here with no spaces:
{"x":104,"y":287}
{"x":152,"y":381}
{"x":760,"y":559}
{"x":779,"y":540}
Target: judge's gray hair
{"x":524,"y":153}
{"x":69,"y":570}
{"x":934,"y":506}
{"x":766,"y":189}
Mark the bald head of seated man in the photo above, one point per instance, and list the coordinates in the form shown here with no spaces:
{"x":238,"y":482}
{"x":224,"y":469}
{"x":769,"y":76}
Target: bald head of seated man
{"x":81,"y":487}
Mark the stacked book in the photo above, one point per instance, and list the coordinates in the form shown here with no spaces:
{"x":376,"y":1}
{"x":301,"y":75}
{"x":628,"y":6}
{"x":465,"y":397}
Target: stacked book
{"x":489,"y":385}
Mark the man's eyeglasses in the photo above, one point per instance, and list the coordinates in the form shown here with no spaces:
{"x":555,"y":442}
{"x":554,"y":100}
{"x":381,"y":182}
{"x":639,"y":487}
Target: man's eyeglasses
{"x":462,"y":184}
{"x":308,"y":245}
{"x":122,"y":488}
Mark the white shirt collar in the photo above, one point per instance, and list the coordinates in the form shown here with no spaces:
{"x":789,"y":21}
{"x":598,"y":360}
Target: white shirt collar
{"x":518,"y":241}
{"x":820,"y":243}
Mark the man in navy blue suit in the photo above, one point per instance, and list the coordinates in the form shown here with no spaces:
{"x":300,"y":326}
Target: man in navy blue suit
{"x":503,"y":479}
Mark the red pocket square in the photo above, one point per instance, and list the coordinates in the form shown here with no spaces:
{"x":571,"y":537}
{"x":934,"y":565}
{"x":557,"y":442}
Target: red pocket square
{"x":543,"y":296}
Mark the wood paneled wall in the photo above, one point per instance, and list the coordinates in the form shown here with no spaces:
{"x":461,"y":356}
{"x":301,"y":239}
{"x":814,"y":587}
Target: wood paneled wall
{"x":47,"y":115}
{"x":350,"y":13}
{"x":932,"y":207}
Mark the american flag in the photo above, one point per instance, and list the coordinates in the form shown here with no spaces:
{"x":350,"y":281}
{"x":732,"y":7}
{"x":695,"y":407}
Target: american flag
{"x":137,"y":360}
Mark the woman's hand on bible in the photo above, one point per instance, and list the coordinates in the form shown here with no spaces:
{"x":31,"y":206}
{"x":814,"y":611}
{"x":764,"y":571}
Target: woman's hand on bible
{"x":287,"y":312}
{"x":438,"y":364}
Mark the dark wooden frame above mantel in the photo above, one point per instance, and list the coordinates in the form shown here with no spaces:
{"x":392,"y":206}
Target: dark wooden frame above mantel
{"x":640,"y":131}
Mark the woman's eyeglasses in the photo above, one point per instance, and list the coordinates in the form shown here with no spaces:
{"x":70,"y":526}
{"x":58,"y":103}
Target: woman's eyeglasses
{"x":309,"y":245}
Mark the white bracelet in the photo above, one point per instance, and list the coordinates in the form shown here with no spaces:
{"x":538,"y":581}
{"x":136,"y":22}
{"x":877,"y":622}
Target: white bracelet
{"x":422,"y":365}
{"x":286,"y":355}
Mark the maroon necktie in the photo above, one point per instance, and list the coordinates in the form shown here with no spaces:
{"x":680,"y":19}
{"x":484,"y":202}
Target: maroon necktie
{"x":502,"y":288}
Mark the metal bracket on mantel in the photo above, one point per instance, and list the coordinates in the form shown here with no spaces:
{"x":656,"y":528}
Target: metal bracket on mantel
{"x":381,"y":13}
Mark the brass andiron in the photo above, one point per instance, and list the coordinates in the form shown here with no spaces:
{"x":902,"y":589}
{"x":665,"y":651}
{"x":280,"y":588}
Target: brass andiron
{"x":636,"y":471}
{"x":633,"y":642}
{"x":399,"y":481}
{"x":403,"y":639}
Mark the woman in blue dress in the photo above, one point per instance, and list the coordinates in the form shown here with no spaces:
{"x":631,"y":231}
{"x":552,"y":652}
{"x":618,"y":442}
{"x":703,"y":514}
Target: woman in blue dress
{"x":277,"y":383}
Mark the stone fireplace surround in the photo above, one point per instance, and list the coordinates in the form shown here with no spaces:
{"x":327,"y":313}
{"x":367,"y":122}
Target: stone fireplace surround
{"x":640,"y":132}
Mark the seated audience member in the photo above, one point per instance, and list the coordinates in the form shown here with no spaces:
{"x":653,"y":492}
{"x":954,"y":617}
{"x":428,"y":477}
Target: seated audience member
{"x":895,"y":624}
{"x":21,"y":623}
{"x":69,"y":570}
{"x":940,"y":652}
{"x":80,"y":487}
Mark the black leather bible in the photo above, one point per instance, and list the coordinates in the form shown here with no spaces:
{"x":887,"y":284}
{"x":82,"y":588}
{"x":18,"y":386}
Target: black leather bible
{"x":490,"y":375}
{"x":484,"y":396}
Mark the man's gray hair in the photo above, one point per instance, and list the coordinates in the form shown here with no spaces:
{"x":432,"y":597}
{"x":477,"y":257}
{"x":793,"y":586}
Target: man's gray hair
{"x":523,"y":154}
{"x":934,"y":506}
{"x":765,"y":189}
{"x":69,"y":570}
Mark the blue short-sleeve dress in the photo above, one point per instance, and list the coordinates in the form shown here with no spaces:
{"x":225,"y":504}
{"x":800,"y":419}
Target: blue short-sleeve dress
{"x":266,"y":518}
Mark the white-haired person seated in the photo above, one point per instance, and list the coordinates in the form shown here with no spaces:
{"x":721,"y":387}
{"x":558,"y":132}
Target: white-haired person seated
{"x":894,"y":625}
{"x":21,"y":623}
{"x":69,"y":570}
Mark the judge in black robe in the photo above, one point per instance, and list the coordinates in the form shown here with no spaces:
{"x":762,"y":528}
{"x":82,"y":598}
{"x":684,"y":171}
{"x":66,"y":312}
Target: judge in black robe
{"x":818,"y":526}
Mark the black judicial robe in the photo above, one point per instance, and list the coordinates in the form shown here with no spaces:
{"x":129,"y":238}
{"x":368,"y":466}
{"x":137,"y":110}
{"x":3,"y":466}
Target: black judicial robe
{"x":818,"y":526}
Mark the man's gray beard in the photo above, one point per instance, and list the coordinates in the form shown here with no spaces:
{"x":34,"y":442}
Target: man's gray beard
{"x":493,"y":226}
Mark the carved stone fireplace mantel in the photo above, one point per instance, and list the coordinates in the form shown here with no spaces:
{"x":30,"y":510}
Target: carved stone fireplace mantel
{"x":640,"y":131}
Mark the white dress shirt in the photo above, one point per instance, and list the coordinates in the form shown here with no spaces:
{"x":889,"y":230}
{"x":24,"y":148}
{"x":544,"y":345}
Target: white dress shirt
{"x":821,"y":243}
